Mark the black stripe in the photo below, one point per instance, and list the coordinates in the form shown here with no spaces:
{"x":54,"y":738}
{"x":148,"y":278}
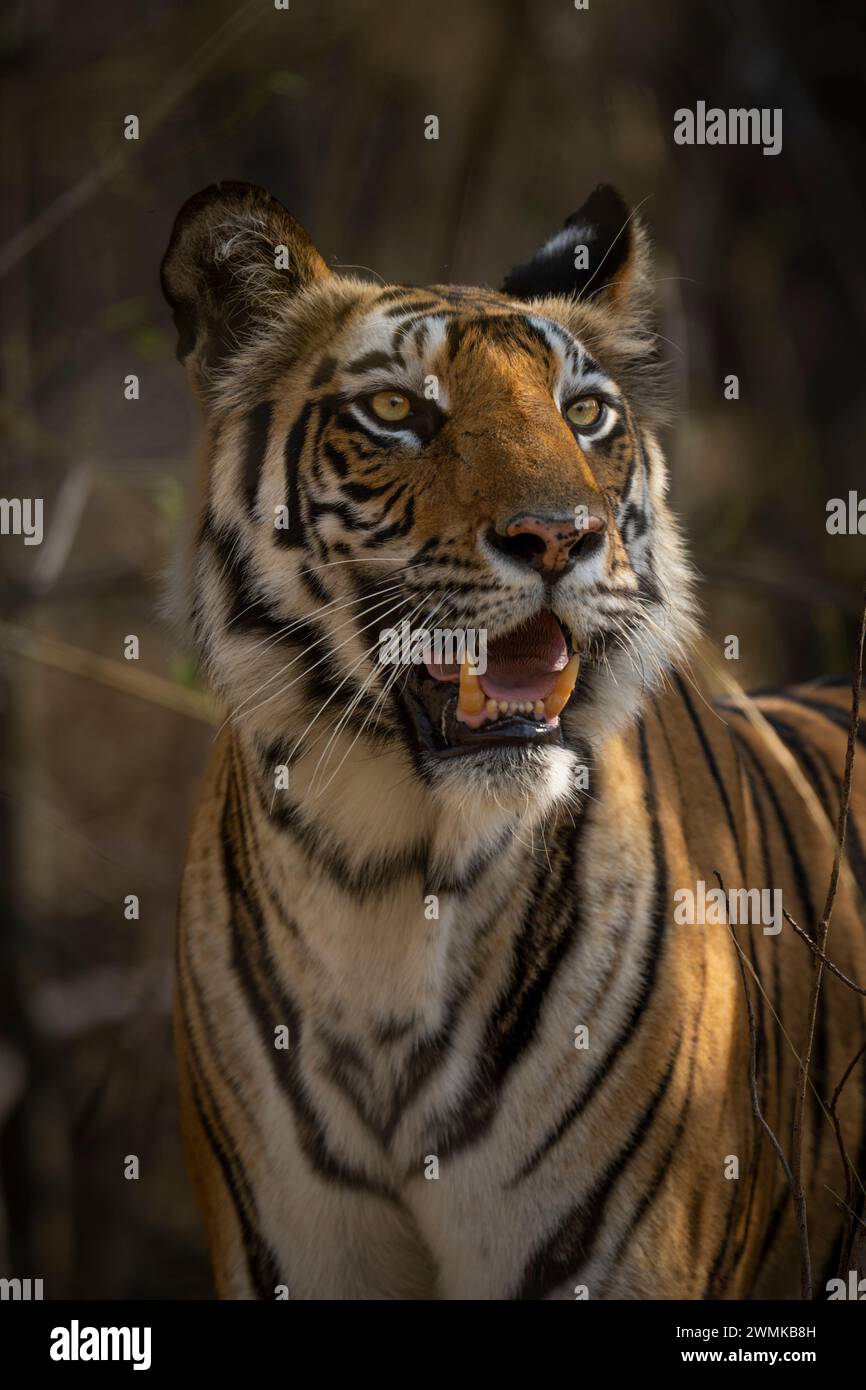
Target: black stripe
{"x":258,"y":427}
{"x":324,"y":372}
{"x":550,"y":924}
{"x":429,"y":1053}
{"x":804,"y":892}
{"x":769,"y":876}
{"x":381,"y":873}
{"x":293,"y":536}
{"x":573,"y":1241}
{"x":247,"y":608}
{"x":362,"y":492}
{"x":399,"y":528}
{"x":337,"y":460}
{"x":374,"y":359}
{"x":343,"y":510}
{"x":261,"y":1262}
{"x":792,"y":740}
{"x":713,"y":766}
{"x":423,"y":306}
{"x":651,"y":960}
{"x":717,"y":1282}
{"x":396,"y":292}
{"x":831,"y":1268}
{"x":312,"y":582}
{"x":840,"y":717}
{"x":249,"y":942}
{"x":664,"y":1166}
{"x":781,"y":1209}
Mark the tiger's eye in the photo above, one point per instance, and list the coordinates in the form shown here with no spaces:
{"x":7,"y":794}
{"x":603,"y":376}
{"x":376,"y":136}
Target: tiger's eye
{"x":390,"y":405}
{"x":584,"y":412}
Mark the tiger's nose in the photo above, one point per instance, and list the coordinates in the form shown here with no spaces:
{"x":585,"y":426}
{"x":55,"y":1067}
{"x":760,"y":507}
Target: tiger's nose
{"x":551,"y":545}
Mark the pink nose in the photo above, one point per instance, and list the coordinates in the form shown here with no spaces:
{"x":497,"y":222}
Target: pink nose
{"x":550,"y":544}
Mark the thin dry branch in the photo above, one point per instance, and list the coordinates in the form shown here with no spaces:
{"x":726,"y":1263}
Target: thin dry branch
{"x":117,"y":675}
{"x":847,"y":1165}
{"x":753,"y":1049}
{"x":821,"y":942}
{"x":813,"y":947}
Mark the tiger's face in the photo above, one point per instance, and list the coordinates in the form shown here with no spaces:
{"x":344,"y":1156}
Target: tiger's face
{"x":432,"y":522}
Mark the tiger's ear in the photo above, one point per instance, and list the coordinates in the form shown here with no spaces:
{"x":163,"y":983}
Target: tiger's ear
{"x":600,"y":255}
{"x":235,"y":257}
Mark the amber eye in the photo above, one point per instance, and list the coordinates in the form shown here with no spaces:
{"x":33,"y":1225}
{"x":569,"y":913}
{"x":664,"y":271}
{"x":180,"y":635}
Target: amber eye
{"x":390,"y":405}
{"x":584,"y":412}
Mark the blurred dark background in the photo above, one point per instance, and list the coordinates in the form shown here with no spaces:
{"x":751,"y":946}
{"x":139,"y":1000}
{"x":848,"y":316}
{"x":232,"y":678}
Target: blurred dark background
{"x":761,"y":273}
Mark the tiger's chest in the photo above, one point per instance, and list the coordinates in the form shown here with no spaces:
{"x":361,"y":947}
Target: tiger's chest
{"x":443,"y":1083}
{"x":447,"y":1107}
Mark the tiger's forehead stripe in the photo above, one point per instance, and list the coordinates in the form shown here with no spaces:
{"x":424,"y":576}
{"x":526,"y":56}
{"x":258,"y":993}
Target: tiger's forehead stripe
{"x":397,"y":345}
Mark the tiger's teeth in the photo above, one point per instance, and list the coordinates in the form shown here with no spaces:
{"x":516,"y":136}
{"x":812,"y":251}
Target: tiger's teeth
{"x":561,"y":692}
{"x":471,"y":698}
{"x":538,"y":709}
{"x":504,"y":706}
{"x":492,"y":708}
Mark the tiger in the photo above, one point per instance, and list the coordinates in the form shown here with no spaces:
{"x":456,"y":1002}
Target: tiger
{"x":446,"y":1025}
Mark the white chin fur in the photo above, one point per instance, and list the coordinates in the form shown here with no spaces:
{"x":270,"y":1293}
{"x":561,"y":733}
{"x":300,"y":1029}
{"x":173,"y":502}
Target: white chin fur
{"x":530,"y":781}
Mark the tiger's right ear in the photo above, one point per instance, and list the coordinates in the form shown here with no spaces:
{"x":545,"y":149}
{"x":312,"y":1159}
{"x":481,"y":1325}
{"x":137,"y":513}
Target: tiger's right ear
{"x":234,"y":258}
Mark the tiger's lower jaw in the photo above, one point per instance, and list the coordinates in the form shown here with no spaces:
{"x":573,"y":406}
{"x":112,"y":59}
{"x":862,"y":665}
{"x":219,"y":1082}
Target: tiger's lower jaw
{"x":431,"y":712}
{"x":448,"y":720}
{"x":516,"y":765}
{"x":511,"y":701}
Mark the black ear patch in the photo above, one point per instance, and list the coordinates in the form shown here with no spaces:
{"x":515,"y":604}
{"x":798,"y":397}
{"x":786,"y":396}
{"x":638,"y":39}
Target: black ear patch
{"x":594,"y":252}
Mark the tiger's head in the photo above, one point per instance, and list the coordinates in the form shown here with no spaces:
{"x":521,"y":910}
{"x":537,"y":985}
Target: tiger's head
{"x":385,"y":462}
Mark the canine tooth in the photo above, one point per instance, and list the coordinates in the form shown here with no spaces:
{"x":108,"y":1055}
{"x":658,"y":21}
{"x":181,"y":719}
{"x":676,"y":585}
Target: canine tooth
{"x":492,"y":708}
{"x":471,"y":698}
{"x":538,"y":709}
{"x":561,"y":692}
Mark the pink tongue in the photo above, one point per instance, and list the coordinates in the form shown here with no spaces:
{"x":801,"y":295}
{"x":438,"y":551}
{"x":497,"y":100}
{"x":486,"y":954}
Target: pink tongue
{"x":514,"y":685}
{"x":522,"y":666}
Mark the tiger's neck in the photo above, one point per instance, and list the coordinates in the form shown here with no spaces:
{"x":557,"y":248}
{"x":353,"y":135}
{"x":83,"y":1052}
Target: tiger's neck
{"x":389,"y":899}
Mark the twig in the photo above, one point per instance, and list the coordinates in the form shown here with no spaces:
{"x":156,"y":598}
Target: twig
{"x":813,"y":947}
{"x":805,"y":588}
{"x":753,"y":1048}
{"x":46,"y":223}
{"x":143,"y":685}
{"x":848,"y":1239}
{"x":821,"y":941}
{"x":843,"y":1203}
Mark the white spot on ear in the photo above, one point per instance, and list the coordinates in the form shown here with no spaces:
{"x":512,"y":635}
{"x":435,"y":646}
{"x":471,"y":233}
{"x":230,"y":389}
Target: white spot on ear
{"x":561,"y":243}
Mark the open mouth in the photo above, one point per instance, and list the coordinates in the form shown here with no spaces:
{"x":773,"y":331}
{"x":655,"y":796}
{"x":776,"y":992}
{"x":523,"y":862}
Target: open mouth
{"x":529,"y":679}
